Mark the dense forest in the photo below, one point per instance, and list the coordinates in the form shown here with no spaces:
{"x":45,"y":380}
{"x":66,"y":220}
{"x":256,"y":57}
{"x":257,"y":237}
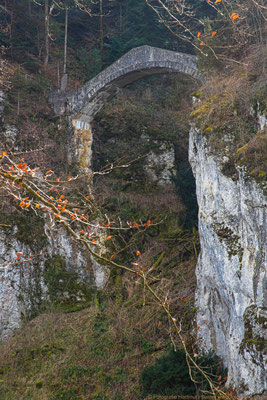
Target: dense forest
{"x":135,"y":219}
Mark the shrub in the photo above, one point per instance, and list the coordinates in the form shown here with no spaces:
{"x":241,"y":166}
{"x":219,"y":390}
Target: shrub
{"x":170,"y":374}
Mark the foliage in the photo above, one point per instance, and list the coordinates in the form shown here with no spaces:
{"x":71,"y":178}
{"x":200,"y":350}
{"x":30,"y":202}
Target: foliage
{"x":228,"y":109}
{"x":65,"y":289}
{"x":90,"y":62}
{"x":170,"y":375}
{"x":221,"y":29}
{"x":135,"y":31}
{"x":34,"y":236}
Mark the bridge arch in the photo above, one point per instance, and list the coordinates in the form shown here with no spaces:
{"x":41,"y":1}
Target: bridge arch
{"x":136,"y":64}
{"x":83,"y":104}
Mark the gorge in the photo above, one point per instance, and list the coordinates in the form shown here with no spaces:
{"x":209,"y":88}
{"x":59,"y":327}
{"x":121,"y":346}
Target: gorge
{"x":156,"y":162}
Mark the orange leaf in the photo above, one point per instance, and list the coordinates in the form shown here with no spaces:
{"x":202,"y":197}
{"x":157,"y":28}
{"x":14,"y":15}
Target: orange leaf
{"x":166,"y":303}
{"x":136,"y":225}
{"x":217,"y":1}
{"x":184,"y":299}
{"x":148,"y":222}
{"x":159,"y":323}
{"x":58,"y":179}
{"x":20,"y":184}
{"x":11,"y":183}
{"x":108,"y":238}
{"x":82,"y":232}
{"x":195,"y":355}
{"x":220,"y":378}
{"x":19,"y":254}
{"x":69,"y":179}
{"x":234,"y":16}
{"x":113,"y":255}
{"x":138,"y":253}
{"x":88,"y":197}
{"x":198,"y":34}
{"x":198,"y":327}
{"x":213,"y":34}
{"x":37,"y":205}
{"x":48,"y":172}
{"x":201,"y":43}
{"x":144,"y":269}
{"x":4,"y":153}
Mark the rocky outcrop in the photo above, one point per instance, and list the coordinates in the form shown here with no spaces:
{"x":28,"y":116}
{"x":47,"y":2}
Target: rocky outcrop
{"x":58,"y":274}
{"x":231,"y":296}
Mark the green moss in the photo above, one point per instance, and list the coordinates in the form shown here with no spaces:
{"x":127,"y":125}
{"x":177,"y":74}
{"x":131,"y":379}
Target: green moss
{"x":254,"y":324}
{"x":39,"y":384}
{"x":231,"y":240}
{"x":29,"y":228}
{"x":66,"y":291}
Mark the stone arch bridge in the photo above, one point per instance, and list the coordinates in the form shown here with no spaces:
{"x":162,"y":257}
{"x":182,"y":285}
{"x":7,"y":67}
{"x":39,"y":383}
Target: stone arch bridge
{"x":83,"y":104}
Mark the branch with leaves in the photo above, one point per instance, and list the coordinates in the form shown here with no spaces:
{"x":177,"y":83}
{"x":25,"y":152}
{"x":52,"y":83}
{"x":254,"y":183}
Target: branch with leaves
{"x":227,"y":27}
{"x":31,"y":189}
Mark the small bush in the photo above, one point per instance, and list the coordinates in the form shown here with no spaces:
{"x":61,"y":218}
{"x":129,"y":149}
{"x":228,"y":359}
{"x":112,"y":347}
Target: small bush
{"x":170,"y":375}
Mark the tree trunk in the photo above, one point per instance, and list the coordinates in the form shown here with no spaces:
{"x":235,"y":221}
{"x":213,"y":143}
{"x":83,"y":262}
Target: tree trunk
{"x":101,"y":24}
{"x":46,"y":34}
{"x":64,"y":79}
{"x":65,"y":41}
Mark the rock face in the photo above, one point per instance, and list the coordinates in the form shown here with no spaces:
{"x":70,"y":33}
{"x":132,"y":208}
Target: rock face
{"x":231,"y":293}
{"x":60,"y":275}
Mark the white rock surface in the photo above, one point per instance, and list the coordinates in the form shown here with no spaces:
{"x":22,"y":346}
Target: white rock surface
{"x":160,"y":165}
{"x":22,"y":286}
{"x":231,"y":296}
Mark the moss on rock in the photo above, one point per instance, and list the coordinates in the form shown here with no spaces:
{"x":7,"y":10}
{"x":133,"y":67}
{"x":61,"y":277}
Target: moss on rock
{"x":66,"y":291}
{"x":29,"y":228}
{"x":255,"y":330}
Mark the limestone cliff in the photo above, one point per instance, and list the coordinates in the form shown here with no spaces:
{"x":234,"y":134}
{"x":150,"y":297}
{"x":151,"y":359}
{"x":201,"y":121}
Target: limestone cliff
{"x":59,"y":275}
{"x":231,"y":295}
